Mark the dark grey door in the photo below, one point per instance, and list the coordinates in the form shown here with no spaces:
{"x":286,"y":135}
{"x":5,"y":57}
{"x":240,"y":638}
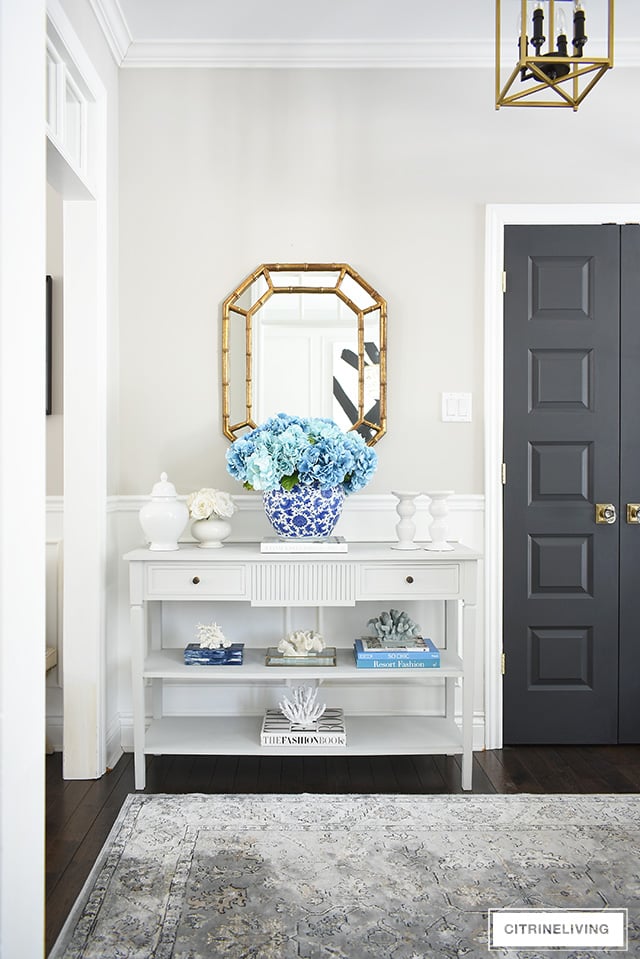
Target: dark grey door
{"x":571,"y":419}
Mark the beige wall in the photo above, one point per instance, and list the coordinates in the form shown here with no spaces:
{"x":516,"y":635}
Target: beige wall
{"x":388,"y":170}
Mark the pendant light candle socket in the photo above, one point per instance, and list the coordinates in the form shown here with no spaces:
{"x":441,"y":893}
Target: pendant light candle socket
{"x":538,"y":38}
{"x":579,"y":35}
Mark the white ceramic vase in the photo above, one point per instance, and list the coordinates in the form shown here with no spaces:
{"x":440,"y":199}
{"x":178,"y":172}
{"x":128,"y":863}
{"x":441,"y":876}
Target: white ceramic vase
{"x":164,"y":518}
{"x":210,"y":532}
{"x":439,"y":509}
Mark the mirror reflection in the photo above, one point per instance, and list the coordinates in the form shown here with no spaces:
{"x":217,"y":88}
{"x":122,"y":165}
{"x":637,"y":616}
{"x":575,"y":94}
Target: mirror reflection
{"x":305,"y":339}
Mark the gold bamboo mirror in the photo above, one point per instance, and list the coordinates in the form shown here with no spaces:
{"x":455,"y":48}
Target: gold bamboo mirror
{"x":307,"y":339}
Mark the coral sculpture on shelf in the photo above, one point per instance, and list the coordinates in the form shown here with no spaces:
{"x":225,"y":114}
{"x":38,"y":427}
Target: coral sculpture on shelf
{"x":302,"y":642}
{"x":211,"y":637}
{"x":303,"y":710}
{"x":394,"y":624}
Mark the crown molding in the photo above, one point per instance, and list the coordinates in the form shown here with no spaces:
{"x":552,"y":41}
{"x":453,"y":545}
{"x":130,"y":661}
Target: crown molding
{"x":328,"y":54}
{"x":309,"y":53}
{"x":114,"y":27}
{"x":356,"y":54}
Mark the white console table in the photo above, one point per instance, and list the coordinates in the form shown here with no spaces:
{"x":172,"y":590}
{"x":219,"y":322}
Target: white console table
{"x":241,"y":573}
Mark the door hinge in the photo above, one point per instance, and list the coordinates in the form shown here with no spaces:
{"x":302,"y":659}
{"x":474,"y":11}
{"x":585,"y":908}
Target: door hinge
{"x":504,"y":281}
{"x":503,"y":474}
{"x":503,"y":663}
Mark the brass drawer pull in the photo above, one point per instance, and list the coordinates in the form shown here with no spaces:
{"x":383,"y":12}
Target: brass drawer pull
{"x":409,"y":579}
{"x":195,"y":580}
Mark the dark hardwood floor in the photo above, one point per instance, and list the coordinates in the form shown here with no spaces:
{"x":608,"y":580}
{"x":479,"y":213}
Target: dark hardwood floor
{"x":81,"y":813}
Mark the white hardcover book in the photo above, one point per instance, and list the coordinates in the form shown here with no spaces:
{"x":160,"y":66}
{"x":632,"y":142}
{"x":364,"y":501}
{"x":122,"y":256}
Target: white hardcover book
{"x":329,"y":730}
{"x":329,"y":544}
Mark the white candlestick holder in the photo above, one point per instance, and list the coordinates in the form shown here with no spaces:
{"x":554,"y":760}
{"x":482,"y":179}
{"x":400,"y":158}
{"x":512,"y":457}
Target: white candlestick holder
{"x":405,"y":528}
{"x":439,"y":509}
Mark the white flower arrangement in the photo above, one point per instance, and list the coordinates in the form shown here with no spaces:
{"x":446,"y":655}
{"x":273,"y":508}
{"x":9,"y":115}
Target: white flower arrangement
{"x":211,"y":636}
{"x":208,"y":502}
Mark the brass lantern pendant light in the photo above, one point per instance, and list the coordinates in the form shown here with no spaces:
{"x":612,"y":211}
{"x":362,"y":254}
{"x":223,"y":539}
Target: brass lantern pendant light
{"x":558,"y":71}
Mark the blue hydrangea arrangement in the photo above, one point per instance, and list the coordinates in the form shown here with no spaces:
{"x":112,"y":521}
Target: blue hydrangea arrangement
{"x":286,"y":451}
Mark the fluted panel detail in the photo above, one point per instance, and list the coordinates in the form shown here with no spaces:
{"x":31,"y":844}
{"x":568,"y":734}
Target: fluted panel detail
{"x":303,"y":584}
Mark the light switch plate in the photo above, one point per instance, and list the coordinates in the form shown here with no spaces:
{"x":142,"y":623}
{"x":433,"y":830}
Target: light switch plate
{"x":456,"y":407}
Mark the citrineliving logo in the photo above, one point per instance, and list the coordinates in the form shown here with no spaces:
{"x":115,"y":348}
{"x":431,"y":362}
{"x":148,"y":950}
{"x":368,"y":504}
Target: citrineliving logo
{"x":558,"y":928}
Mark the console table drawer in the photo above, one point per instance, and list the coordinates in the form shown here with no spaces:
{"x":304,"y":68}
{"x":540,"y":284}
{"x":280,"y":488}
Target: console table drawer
{"x":409,"y":582}
{"x":197,"y":582}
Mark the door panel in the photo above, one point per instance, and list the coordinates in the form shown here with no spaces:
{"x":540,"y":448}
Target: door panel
{"x":561,"y":447}
{"x":629,"y":718}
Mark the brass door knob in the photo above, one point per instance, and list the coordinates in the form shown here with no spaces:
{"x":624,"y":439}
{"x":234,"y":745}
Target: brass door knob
{"x":606,"y":513}
{"x":633,"y":512}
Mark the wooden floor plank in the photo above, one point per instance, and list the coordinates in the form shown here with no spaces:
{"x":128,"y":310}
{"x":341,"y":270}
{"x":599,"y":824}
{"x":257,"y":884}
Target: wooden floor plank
{"x":314,"y":770}
{"x":270,"y":774}
{"x":360,"y":774}
{"x":384,"y":778}
{"x":338,"y":779}
{"x":201,"y":774}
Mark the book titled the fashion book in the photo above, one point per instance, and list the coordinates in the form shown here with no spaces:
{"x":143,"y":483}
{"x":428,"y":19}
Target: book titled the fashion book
{"x":195,"y":655}
{"x":414,"y":647}
{"x":329,"y":730}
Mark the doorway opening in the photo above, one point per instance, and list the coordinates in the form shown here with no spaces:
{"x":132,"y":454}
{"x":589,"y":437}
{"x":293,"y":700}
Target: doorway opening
{"x":497,"y":217}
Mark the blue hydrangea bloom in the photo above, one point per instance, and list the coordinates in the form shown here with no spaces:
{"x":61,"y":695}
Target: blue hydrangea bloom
{"x":286,"y":450}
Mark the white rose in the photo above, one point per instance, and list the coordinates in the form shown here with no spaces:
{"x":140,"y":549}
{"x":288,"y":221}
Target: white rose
{"x":223,"y":504}
{"x":200,"y":504}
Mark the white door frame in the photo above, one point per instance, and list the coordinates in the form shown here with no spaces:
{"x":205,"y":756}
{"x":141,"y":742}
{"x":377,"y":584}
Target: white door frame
{"x":497,"y":217}
{"x":22,"y":477}
{"x":85,"y":298}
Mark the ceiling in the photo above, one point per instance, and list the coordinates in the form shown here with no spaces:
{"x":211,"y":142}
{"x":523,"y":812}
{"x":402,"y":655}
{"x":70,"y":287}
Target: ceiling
{"x":352,"y":33}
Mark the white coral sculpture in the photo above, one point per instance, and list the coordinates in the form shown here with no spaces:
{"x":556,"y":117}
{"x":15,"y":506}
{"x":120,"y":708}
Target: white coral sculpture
{"x":301,"y":642}
{"x":211,"y":636}
{"x":302,"y":710}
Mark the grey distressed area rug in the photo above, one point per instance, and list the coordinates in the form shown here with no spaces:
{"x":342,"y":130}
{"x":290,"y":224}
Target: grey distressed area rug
{"x":348,"y":877}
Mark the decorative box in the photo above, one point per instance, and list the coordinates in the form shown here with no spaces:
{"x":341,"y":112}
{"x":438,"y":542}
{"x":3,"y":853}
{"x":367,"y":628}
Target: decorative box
{"x":326,"y":657}
{"x":196,"y":655}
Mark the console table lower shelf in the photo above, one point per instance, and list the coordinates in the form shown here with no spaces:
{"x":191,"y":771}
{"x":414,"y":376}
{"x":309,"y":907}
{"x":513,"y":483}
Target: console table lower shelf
{"x":366,"y":736}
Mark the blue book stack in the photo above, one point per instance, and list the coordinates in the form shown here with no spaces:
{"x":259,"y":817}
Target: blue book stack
{"x":195,"y":655}
{"x":416,"y":652}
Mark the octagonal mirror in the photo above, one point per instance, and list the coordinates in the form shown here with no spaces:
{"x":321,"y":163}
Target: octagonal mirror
{"x":307,"y":339}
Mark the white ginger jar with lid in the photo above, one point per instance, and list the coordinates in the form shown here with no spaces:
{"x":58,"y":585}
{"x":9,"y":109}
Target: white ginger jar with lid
{"x":164,"y":518}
